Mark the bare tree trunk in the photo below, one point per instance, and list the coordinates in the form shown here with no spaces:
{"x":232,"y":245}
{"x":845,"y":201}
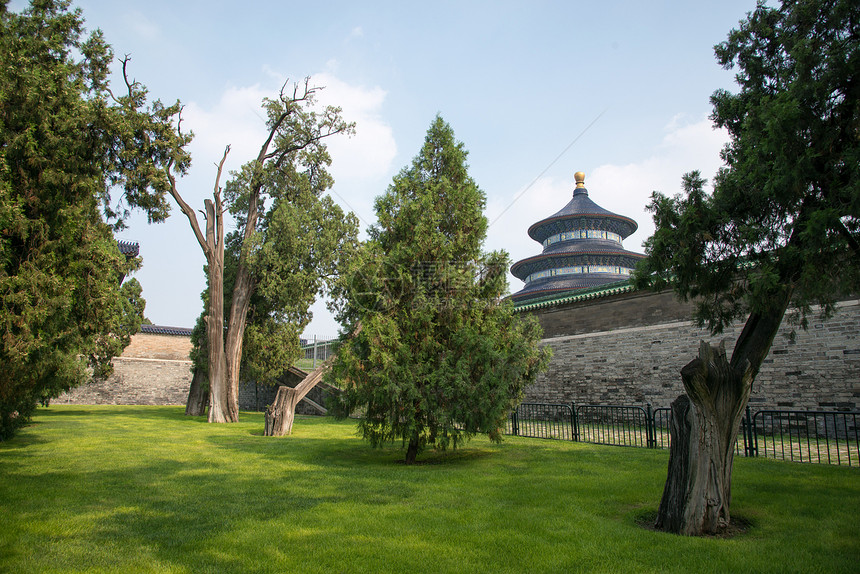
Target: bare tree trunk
{"x":242,"y":289}
{"x":412,"y":450}
{"x":198,"y":398}
{"x":705,"y":425}
{"x":224,"y":407}
{"x":281,"y":413}
{"x":704,"y":430}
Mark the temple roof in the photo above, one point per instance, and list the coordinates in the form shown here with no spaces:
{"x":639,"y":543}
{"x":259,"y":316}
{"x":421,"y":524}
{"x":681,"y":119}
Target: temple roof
{"x":565,"y":285}
{"x":563,"y":296}
{"x":582,"y":249}
{"x":584,"y":256}
{"x":128,"y":248}
{"x":578,"y":208}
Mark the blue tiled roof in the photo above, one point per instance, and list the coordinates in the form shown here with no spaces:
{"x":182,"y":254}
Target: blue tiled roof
{"x":128,"y":248}
{"x":579,"y":207}
{"x":162,"y":330}
{"x":585,"y":256}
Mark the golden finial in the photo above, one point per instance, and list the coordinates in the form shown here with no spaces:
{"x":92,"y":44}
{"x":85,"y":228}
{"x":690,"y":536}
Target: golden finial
{"x":580,"y":179}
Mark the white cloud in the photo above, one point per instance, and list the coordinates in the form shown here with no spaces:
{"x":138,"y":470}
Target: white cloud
{"x":369,"y":153}
{"x":237,"y":120}
{"x":143,"y":26}
{"x":626,"y":189}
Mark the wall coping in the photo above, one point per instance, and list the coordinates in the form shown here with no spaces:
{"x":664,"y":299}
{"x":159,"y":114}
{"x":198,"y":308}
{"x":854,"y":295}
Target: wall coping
{"x":584,"y":295}
{"x":674,"y":324}
{"x":149,"y":360}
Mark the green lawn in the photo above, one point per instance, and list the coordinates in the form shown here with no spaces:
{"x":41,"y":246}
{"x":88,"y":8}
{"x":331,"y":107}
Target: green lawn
{"x":147,"y":489}
{"x":307,"y":364}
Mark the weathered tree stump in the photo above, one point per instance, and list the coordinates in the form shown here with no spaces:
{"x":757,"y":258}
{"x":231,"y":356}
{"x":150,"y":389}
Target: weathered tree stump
{"x":281,"y":413}
{"x":704,"y":430}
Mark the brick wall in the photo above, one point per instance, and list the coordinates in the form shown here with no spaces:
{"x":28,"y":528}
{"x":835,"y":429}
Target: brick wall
{"x":153,"y":370}
{"x":151,"y":346}
{"x":623,"y":349}
{"x":637,"y":355}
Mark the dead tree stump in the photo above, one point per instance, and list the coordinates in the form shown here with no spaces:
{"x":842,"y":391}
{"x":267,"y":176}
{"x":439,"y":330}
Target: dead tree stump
{"x":281,"y":413}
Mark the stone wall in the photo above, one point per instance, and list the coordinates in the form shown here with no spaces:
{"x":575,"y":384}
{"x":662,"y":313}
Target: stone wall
{"x":153,"y":370}
{"x":630,"y":348}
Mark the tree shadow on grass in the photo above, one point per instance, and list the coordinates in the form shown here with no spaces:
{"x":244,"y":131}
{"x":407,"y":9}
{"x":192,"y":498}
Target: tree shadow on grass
{"x":460,"y":456}
{"x":163,"y":507}
{"x":339,"y":450}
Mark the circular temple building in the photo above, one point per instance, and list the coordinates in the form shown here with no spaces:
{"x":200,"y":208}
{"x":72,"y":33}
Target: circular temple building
{"x":581,"y":250}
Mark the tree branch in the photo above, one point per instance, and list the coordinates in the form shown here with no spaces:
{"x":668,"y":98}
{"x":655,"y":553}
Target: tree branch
{"x":188,"y":211}
{"x":850,"y":239}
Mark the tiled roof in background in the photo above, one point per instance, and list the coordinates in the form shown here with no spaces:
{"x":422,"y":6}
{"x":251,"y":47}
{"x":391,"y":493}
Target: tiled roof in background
{"x":128,"y":248}
{"x":575,"y":296}
{"x":162,"y":330}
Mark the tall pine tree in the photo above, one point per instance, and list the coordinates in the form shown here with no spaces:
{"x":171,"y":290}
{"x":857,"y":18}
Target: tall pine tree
{"x":435,"y":354}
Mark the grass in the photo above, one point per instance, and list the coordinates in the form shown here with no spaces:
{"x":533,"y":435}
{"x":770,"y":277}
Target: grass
{"x":307,"y":364}
{"x":146,"y":489}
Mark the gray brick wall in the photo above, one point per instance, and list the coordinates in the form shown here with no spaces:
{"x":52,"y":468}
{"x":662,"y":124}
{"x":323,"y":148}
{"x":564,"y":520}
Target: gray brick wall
{"x":153,"y":370}
{"x":620,"y":364}
{"x":136,"y":381}
{"x":623,"y":349}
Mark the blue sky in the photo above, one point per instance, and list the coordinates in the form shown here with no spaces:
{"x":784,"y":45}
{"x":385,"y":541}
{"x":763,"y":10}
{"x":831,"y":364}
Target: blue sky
{"x":535,"y":90}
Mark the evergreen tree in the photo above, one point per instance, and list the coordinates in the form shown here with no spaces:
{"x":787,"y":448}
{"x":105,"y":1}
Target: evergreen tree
{"x":279,"y":243}
{"x":781,"y":229}
{"x":434,"y":354}
{"x":66,"y":142}
{"x":300,"y":244}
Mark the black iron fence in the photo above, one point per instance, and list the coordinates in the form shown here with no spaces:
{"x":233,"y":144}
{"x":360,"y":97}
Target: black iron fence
{"x":542,"y":420}
{"x":828,"y":437}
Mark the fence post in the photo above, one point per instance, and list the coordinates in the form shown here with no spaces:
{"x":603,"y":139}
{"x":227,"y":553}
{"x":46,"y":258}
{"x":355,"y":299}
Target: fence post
{"x":650,"y":432}
{"x":753,"y":447}
{"x":746,"y":424}
{"x":574,"y":423}
{"x":315,"y":352}
{"x":515,"y":423}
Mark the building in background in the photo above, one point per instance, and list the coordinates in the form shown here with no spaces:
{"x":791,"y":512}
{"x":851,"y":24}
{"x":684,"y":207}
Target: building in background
{"x":581,"y":250}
